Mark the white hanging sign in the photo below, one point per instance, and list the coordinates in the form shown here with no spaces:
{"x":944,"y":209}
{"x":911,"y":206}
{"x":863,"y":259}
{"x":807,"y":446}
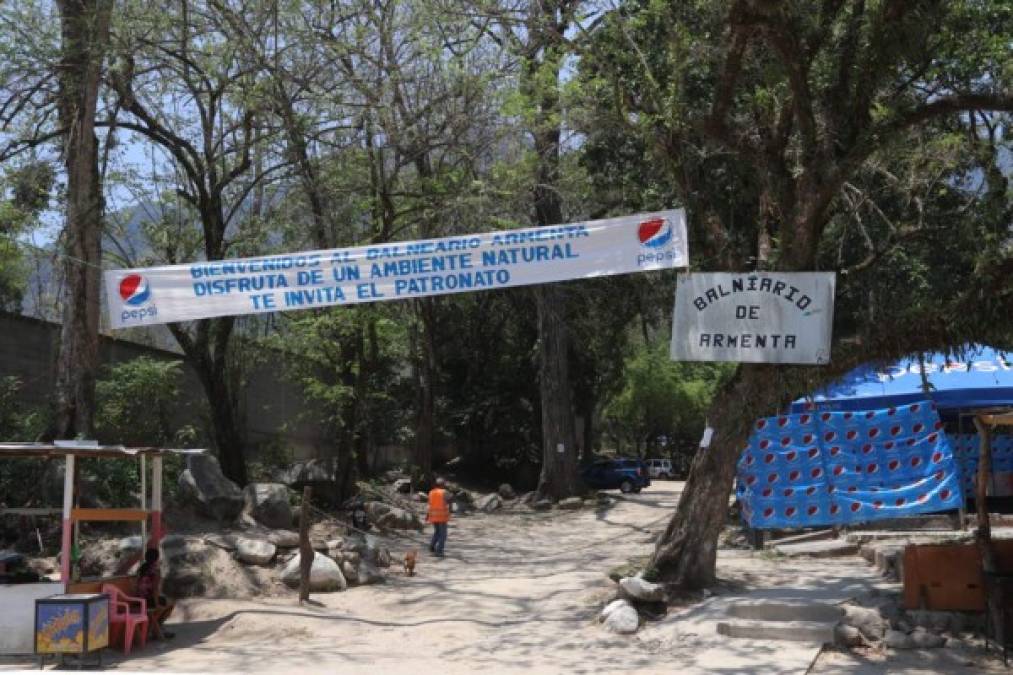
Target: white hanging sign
{"x":754,"y":317}
{"x":397,"y":270}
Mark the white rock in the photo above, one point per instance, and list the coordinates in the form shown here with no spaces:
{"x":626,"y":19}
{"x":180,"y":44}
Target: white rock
{"x":284,"y":538}
{"x":351,"y":574}
{"x":255,"y":551}
{"x":489,"y":503}
{"x":923,"y":639}
{"x":570,"y":503}
{"x":895,"y":639}
{"x":638,"y":589}
{"x":130,"y":544}
{"x":848,"y":636}
{"x":869,"y":621}
{"x":541,"y":504}
{"x":620,"y":617}
{"x":325,"y":574}
{"x":506,"y":491}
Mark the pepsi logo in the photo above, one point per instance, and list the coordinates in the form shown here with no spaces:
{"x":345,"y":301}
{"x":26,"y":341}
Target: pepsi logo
{"x":790,"y":511}
{"x":750,"y":479}
{"x":749,"y":460}
{"x":867,"y":448}
{"x":910,"y":442}
{"x":937,"y":426}
{"x":794,"y":475}
{"x":769,"y":458}
{"x":894,"y":464}
{"x":814,"y":453}
{"x":848,"y":415}
{"x":869,"y":415}
{"x":829,"y":436}
{"x":134,"y":289}
{"x":807,"y":439}
{"x":852,"y":434}
{"x":655,"y":233}
{"x":825,"y":417}
{"x":872,"y":468}
{"x":922,"y":499}
{"x":811,"y":490}
{"x":855,"y":506}
{"x":939,"y":475}
{"x":895,"y":430}
{"x":834,"y":509}
{"x":761,"y":423}
{"x":915,"y":461}
{"x":917,"y":429}
{"x":838,"y":470}
{"x":772,"y":478}
{"x":816,"y":473}
{"x":768,"y":512}
{"x":932,"y":438}
{"x":813,"y":510}
{"x":804,"y":419}
{"x":891,"y":411}
{"x":782,"y":421}
{"x":786,"y":441}
{"x":764,"y":444}
{"x":937,"y":457}
{"x":877,"y":504}
{"x":852,"y":488}
{"x":900,"y":501}
{"x":944,"y":495}
{"x":788,"y":492}
{"x":873,"y":432}
{"x":834,"y":451}
{"x":915,"y":407}
{"x":831,"y":489}
{"x":888,"y":445}
{"x":768,"y":492}
{"x":792,"y":456}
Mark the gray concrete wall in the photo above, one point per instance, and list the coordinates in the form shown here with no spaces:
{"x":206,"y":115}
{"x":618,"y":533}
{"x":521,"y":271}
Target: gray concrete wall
{"x":271,"y":406}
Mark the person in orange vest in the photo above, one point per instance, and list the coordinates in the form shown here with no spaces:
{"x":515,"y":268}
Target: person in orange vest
{"x":439,"y":515}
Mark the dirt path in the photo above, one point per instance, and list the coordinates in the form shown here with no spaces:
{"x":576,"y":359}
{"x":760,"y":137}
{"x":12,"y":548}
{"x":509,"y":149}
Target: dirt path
{"x":517,"y":590}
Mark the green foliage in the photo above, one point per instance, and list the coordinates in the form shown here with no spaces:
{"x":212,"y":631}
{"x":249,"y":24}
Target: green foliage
{"x":663,"y":404}
{"x":138,"y":402}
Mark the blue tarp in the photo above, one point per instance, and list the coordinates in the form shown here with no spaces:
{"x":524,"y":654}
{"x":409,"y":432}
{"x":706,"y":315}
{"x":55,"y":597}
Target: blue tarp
{"x":983,"y":378}
{"x":967,"y":449}
{"x":824,"y":468}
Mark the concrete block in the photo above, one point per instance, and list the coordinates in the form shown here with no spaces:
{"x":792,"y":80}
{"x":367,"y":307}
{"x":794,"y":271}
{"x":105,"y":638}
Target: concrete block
{"x":758,"y":610}
{"x":833,"y":548}
{"x":815,"y":632}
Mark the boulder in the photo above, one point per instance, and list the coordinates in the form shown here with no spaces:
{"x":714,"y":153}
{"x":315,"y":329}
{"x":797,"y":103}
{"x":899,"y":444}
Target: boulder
{"x":325,"y":574}
{"x":896,"y":639}
{"x":203,"y":486}
{"x":222,"y":541}
{"x":923,"y":639}
{"x":267,"y":503}
{"x":489,"y":503}
{"x":350,"y":572}
{"x":529,"y":497}
{"x":506,"y":491}
{"x":619,"y":616}
{"x":387,"y":517}
{"x":541,"y":504}
{"x":570,"y":503}
{"x":309,"y":472}
{"x":368,"y":548}
{"x":284,"y":538}
{"x":867,"y":620}
{"x":403,"y":486}
{"x":848,"y":636}
{"x":635,"y":588}
{"x":255,"y":551}
{"x":369,"y":574}
{"x":129,"y":545}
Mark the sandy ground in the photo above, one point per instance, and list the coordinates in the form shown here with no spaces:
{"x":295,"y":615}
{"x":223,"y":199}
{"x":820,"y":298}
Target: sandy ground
{"x":518,"y":591}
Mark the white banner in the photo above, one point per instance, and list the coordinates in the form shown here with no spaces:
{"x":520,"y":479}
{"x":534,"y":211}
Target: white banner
{"x":754,"y":317}
{"x":395,"y":271}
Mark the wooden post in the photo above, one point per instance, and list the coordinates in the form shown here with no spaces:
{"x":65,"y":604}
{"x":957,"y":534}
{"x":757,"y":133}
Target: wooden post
{"x":144,"y":500}
{"x":305,"y":550}
{"x":984,"y":533}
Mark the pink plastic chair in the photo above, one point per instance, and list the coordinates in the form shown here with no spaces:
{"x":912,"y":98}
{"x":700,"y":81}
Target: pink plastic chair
{"x":121,"y":616}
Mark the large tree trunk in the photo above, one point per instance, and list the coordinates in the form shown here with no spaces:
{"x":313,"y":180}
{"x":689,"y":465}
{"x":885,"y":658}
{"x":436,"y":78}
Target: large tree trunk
{"x":426,"y":372}
{"x":687,"y":552}
{"x":85,"y":34}
{"x":227,"y":437}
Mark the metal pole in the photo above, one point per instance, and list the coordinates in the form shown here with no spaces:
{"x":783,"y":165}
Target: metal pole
{"x":144,"y":500}
{"x":68,"y":524}
{"x":156,"y":500}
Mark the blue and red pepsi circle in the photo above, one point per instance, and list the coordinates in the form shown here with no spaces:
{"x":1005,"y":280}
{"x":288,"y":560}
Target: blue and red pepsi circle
{"x":655,"y":233}
{"x":134,"y":289}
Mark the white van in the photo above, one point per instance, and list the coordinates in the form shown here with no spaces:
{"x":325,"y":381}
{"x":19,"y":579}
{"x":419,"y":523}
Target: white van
{"x":660,"y":468}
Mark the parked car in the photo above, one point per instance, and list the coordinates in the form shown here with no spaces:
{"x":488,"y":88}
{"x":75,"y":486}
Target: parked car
{"x":660,"y":468}
{"x":629,"y":475}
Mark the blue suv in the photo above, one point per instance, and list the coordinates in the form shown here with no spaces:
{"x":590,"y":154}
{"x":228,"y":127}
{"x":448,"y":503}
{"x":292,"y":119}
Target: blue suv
{"x":629,"y":475}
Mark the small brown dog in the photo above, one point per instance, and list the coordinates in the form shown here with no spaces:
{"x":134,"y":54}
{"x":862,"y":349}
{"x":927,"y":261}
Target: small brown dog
{"x":409,"y":562}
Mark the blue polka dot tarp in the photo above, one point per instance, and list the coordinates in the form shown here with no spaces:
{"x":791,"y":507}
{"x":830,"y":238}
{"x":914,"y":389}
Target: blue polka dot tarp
{"x":817,"y":469}
{"x":967,"y":447}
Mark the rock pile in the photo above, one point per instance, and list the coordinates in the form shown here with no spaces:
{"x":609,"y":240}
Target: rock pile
{"x":888,"y":625}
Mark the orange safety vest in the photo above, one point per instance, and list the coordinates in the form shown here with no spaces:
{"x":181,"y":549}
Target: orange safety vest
{"x":439,"y":512}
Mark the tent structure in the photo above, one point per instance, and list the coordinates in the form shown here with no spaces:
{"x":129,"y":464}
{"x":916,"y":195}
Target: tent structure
{"x":982,"y":379}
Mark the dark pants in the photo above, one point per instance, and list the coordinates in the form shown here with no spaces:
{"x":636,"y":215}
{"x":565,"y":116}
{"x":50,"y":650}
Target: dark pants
{"x":439,"y":539}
